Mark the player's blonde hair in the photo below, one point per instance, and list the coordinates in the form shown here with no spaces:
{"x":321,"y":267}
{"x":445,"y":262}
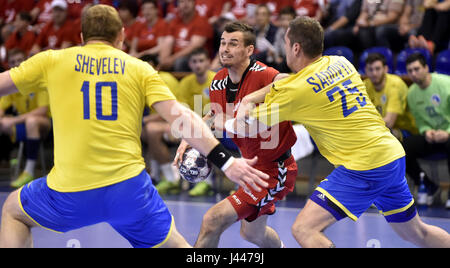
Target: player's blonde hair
{"x":308,"y":33}
{"x":100,"y":22}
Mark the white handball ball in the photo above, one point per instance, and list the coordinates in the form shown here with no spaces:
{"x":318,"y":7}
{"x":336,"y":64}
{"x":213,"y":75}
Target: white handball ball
{"x":194,"y":167}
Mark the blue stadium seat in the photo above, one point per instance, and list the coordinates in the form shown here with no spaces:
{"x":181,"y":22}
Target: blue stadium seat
{"x":340,"y":51}
{"x":403,"y":55}
{"x":385,"y":51}
{"x":443,"y":62}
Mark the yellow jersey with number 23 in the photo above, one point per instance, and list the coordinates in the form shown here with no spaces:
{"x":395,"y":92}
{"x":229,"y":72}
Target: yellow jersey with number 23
{"x":329,"y":98}
{"x":97,"y":96}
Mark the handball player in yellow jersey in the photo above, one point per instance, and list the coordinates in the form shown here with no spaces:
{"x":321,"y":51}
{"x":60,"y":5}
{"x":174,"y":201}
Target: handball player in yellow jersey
{"x":327,"y":96}
{"x":97,"y":96}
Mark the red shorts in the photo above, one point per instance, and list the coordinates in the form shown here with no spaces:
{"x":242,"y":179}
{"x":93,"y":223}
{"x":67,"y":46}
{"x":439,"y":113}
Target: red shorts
{"x":251,"y":205}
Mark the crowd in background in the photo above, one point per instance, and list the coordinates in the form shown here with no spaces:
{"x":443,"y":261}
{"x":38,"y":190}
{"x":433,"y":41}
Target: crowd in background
{"x":171,"y":29}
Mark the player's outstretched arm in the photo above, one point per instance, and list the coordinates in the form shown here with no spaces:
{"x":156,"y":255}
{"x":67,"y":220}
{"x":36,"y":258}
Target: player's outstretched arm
{"x":6,"y":84}
{"x":189,"y":126}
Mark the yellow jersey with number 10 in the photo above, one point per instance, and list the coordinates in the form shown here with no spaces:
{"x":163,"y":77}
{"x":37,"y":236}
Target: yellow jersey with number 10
{"x":329,"y":98}
{"x":97,"y":96}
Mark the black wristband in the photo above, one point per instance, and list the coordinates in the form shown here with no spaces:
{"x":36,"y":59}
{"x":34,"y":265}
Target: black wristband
{"x":219,"y":156}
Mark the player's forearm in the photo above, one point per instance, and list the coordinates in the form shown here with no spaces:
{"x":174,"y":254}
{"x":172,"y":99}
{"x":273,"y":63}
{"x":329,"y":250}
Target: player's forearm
{"x":6,"y":84}
{"x":188,"y":125}
{"x":259,"y":95}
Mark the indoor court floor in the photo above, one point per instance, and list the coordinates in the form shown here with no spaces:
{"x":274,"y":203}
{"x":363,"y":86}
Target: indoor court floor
{"x":371,"y":230}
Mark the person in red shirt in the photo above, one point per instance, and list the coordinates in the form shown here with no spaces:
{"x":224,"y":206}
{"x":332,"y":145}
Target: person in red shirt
{"x":310,"y":8}
{"x":128,"y":12}
{"x":148,"y":39}
{"x":22,"y":38}
{"x":57,"y":33}
{"x":242,"y":10}
{"x":187,"y":32}
{"x":239,"y":78}
{"x":209,"y":9}
{"x":10,"y":8}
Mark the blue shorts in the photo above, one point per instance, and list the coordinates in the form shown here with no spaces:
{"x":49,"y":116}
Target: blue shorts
{"x":132,"y":207}
{"x":349,"y":193}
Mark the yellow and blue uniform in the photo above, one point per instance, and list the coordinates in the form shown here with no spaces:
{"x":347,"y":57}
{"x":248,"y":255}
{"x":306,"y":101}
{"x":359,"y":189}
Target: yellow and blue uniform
{"x":24,"y":104}
{"x":393,"y":99}
{"x":97,"y":96}
{"x":190,"y":88}
{"x":329,"y":98}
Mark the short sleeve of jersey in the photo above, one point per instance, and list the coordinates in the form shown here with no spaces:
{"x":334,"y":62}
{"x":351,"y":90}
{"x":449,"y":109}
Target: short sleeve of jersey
{"x":276,"y":107}
{"x":30,"y":75}
{"x":155,"y":88}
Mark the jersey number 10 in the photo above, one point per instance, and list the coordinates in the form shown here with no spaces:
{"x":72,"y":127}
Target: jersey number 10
{"x":345,"y":110}
{"x":98,"y":101}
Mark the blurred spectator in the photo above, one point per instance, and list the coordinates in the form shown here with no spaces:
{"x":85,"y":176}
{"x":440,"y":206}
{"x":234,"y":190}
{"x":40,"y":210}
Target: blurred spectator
{"x":8,"y":11}
{"x":76,"y":6}
{"x":243,"y":10}
{"x":149,"y":38}
{"x":265,"y":33}
{"x":209,"y":9}
{"x":186,"y":32}
{"x":167,"y":9}
{"x":434,"y":32}
{"x":429,"y":102}
{"x":10,"y":8}
{"x":388,"y":92}
{"x":41,"y":13}
{"x":339,"y":21}
{"x":23,"y":37}
{"x":156,"y":133}
{"x":310,"y":8}
{"x":57,"y":33}
{"x":411,"y":18}
{"x":376,"y":20}
{"x":31,"y":125}
{"x":286,"y":15}
{"x":409,"y":22}
{"x":128,"y":12}
{"x":275,"y":6}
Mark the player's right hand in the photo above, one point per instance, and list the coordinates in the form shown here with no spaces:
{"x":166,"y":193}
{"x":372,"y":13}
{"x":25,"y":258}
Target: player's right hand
{"x":180,"y":151}
{"x":242,"y":173}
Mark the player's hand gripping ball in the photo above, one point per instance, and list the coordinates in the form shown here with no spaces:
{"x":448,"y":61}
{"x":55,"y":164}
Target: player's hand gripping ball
{"x":194,"y":167}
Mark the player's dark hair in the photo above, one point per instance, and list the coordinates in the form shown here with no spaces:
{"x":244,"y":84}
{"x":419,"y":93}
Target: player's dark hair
{"x":288,"y":10}
{"x":131,"y":5}
{"x":373,"y":57}
{"x":154,"y":2}
{"x":417,"y":56}
{"x":309,"y":34}
{"x":25,"y":16}
{"x":247,"y":30}
{"x":100,"y":22}
{"x":199,"y":51}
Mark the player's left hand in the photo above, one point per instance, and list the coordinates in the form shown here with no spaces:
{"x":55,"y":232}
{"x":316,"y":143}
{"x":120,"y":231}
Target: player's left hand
{"x":179,"y":154}
{"x":242,"y":173}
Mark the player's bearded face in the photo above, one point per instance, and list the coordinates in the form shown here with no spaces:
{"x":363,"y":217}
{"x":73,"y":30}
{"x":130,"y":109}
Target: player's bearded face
{"x":232,"y":50}
{"x":376,"y":72}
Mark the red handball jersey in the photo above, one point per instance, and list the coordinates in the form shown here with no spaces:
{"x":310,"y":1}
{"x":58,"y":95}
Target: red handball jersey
{"x":267,"y":148}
